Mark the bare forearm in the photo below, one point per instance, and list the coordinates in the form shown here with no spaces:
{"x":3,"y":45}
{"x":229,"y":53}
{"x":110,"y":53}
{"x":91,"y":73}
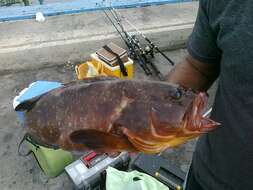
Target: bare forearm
{"x":193,"y":74}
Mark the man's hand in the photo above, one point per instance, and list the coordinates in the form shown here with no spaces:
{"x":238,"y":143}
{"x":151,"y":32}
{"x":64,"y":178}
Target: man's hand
{"x":194,"y":74}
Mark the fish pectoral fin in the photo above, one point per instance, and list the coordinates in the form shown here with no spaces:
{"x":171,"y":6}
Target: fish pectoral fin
{"x":94,"y":139}
{"x":27,"y":104}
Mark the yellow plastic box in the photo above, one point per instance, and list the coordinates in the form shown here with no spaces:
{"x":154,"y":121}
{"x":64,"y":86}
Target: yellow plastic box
{"x":104,"y":68}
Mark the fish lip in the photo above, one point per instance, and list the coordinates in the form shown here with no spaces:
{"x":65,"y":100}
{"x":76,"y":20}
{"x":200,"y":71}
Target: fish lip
{"x":201,"y":101}
{"x":197,"y":106}
{"x":195,"y":121}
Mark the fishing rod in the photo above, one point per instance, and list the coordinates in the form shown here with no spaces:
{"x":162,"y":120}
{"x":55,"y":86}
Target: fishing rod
{"x":153,"y":66}
{"x":143,"y":53}
{"x":153,"y":46}
{"x":130,"y":44}
{"x":137,"y":50}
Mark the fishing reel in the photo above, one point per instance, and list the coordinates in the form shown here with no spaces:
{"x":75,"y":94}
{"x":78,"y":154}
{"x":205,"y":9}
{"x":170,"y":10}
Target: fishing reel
{"x":149,"y":51}
{"x":142,"y":55}
{"x":143,"y":51}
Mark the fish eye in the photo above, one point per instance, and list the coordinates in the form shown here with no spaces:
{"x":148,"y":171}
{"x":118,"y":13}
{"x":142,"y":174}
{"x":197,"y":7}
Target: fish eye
{"x":177,"y":94}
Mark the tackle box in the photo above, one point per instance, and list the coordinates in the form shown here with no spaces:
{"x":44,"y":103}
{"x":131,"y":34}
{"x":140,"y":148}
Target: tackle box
{"x":161,"y":169}
{"x":88,"y":172}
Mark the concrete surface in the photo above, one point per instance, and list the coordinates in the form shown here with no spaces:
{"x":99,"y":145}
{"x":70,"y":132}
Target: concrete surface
{"x":23,"y":173}
{"x":29,"y":45}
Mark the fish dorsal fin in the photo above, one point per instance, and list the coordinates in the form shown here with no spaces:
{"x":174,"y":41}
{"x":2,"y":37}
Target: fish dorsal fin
{"x":90,"y":80}
{"x":27,"y":104}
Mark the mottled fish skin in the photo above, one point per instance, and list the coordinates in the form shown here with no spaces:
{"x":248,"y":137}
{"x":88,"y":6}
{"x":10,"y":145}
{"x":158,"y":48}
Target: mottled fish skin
{"x":110,"y":115}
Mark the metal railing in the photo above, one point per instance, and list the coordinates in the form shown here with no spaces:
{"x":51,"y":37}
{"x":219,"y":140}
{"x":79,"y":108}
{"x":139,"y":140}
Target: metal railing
{"x":12,"y":2}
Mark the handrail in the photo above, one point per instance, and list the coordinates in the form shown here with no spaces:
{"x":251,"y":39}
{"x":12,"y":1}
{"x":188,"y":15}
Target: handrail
{"x":78,"y":6}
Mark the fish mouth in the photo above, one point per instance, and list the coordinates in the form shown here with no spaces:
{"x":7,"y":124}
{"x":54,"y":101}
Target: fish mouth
{"x":196,"y":121}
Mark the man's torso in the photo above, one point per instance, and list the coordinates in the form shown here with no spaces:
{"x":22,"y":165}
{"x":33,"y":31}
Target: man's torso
{"x":223,"y":158}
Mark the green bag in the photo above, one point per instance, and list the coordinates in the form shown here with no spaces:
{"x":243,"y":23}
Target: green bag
{"x":134,"y":180}
{"x":51,"y":161}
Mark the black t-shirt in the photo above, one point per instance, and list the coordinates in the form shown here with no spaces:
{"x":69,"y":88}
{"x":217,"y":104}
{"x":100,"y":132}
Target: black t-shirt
{"x":223,"y":35}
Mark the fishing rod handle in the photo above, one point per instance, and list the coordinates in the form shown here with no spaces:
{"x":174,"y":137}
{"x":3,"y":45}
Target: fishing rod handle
{"x":165,"y":56}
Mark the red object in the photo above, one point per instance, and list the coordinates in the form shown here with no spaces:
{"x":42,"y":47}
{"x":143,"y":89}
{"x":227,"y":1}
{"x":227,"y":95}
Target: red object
{"x":90,"y":156}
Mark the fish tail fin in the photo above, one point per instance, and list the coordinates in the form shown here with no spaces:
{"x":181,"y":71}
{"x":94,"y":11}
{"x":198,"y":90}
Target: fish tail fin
{"x":27,"y":105}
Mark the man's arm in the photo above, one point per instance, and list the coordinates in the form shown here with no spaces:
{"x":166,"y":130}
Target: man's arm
{"x":194,"y":74}
{"x":200,"y":68}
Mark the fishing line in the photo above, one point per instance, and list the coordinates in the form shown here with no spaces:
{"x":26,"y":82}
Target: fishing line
{"x":118,"y":15}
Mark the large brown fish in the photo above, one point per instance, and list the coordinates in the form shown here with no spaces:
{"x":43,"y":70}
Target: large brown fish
{"x":111,"y":115}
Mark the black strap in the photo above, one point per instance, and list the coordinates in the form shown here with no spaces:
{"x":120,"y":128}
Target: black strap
{"x":26,"y":138}
{"x":119,"y":61}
